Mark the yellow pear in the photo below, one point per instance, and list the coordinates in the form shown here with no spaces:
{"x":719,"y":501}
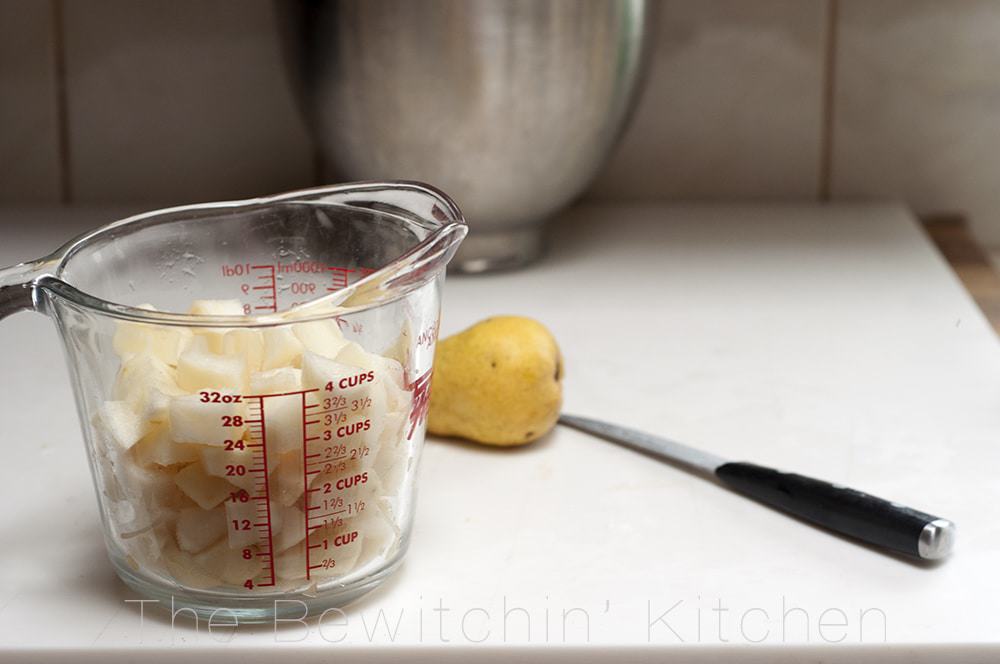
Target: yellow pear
{"x":498,"y":382}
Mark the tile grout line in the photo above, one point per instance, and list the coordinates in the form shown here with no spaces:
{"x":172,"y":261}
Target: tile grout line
{"x":62,"y":112}
{"x":827,"y":109}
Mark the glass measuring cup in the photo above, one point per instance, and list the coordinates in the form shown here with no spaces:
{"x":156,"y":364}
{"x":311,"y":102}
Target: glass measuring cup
{"x":262,"y":445}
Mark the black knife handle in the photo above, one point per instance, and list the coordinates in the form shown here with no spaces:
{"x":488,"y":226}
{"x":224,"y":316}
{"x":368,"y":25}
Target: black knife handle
{"x":854,"y":513}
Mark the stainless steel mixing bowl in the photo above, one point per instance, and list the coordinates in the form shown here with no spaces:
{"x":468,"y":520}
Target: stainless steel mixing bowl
{"x":510,"y":106}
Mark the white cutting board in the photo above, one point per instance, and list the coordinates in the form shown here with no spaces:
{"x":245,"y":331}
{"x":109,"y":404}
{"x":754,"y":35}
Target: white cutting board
{"x":832,"y":341}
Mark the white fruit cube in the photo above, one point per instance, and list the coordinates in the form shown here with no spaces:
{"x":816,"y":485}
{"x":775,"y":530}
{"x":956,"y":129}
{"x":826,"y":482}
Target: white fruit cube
{"x":337,"y":550}
{"x":322,"y":337}
{"x":186,"y":570}
{"x":381,"y":533}
{"x":120,"y":424}
{"x":152,"y":491}
{"x":283,"y":412}
{"x":276,"y":381}
{"x":145,"y":550}
{"x":394,"y":378}
{"x":198,"y":528}
{"x":399,"y":349}
{"x":353,"y":354}
{"x":232,"y":566}
{"x":281,"y":348}
{"x":147,"y":383}
{"x":340,"y":492}
{"x":354,"y":400}
{"x":234,"y":462}
{"x":158,"y":449}
{"x":391,"y":464}
{"x":242,"y":518}
{"x":216,"y":308}
{"x":140,"y":498}
{"x":291,"y":564}
{"x":164,"y":342}
{"x":204,"y":489}
{"x":293,"y":527}
{"x":288,"y":481}
{"x":247,"y":344}
{"x":214,"y":336}
{"x":198,"y":370}
{"x":351,"y":383}
{"x":394,"y":429}
{"x":195,"y":418}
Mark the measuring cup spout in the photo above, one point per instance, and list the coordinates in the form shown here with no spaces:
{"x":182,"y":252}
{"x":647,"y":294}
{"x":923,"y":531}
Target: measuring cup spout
{"x":18,"y":285}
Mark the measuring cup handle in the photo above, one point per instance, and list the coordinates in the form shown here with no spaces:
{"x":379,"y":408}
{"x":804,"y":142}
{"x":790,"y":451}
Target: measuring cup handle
{"x":18,"y":286}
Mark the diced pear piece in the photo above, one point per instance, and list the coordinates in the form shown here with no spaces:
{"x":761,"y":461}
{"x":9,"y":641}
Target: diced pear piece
{"x":227,"y":463}
{"x":399,"y":349}
{"x":204,"y":489}
{"x":158,"y":449}
{"x":164,"y":342}
{"x":147,"y":383}
{"x":198,"y":370}
{"x":394,"y":429}
{"x":381,"y":533}
{"x":283,"y":415}
{"x":216,"y":308}
{"x":391,"y":464}
{"x":198,"y":528}
{"x":281,"y":348}
{"x":322,"y":337}
{"x":353,"y":383}
{"x":229,"y":565}
{"x":293,"y":527}
{"x":394,"y":378}
{"x":192,"y":420}
{"x":388,"y":372}
{"x":276,"y":381}
{"x":291,"y":564}
{"x":214,"y":336}
{"x":288,"y":479}
{"x":337,"y":558}
{"x":335,"y":491}
{"x":247,"y":344}
{"x":145,"y":549}
{"x":140,"y":498}
{"x":241,"y":518}
{"x":152,"y":491}
{"x":357,"y":403}
{"x":353,"y":354}
{"x":185,"y":569}
{"x":121,"y":424}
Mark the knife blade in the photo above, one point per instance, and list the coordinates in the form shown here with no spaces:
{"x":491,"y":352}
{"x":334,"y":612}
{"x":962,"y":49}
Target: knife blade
{"x":858,"y":515}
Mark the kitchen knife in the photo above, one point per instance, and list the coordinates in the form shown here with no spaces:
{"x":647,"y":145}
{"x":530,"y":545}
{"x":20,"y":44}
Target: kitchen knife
{"x":862,"y":516}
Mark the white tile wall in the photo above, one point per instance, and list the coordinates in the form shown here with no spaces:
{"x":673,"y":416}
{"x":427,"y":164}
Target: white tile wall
{"x":179,"y":101}
{"x":29,"y":146}
{"x":732,"y":107}
{"x":917,"y":106}
{"x":169,"y":101}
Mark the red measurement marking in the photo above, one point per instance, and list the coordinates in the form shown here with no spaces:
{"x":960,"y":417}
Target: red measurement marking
{"x":305,"y":481}
{"x":265,"y":495}
{"x":330,"y":410}
{"x":421,"y":391}
{"x":268,"y":286}
{"x":344,"y":324}
{"x":338,"y":278}
{"x":328,"y":514}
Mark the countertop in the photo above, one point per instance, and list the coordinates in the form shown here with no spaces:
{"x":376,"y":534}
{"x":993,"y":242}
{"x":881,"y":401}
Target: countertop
{"x":833,"y":341}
